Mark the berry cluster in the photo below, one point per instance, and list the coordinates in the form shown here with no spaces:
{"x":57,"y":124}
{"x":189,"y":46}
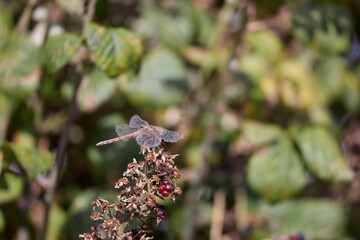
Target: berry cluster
{"x":142,"y":184}
{"x":165,"y":188}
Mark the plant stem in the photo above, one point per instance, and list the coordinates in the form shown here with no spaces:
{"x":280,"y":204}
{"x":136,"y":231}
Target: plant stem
{"x":60,"y":157}
{"x":218,"y":214}
{"x":25,"y":17}
{"x":89,"y":15}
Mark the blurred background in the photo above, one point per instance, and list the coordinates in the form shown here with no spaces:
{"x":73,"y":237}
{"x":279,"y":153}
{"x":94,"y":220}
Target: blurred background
{"x":266,"y":93}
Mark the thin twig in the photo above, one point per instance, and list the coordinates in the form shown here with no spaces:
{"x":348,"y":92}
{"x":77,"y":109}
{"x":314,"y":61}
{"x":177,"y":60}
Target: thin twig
{"x":89,"y":15}
{"x":218,"y":214}
{"x":23,"y":23}
{"x":60,"y":157}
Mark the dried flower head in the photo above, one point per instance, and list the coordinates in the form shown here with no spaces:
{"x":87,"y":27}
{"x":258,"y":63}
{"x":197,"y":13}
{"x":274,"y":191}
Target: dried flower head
{"x":152,"y":179}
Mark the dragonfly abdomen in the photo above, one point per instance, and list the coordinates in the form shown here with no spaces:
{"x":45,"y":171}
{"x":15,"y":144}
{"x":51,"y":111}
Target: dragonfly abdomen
{"x":108,"y":141}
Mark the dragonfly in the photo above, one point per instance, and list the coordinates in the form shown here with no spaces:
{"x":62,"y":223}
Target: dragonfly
{"x":146,"y":135}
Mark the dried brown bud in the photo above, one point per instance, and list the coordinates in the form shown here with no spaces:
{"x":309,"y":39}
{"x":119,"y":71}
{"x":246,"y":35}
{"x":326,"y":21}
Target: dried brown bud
{"x":111,"y":224}
{"x":157,"y":151}
{"x":95,"y":216}
{"x":86,"y":236}
{"x":138,"y":190}
{"x":157,"y":179}
{"x":176,"y":173}
{"x":143,"y":237}
{"x":144,"y":227}
{"x":121,"y":182}
{"x":134,"y":206}
{"x":119,"y":208}
{"x":105,"y":206}
{"x":177,"y":191}
{"x":167,"y":155}
{"x":150,"y":201}
{"x":133,"y":165}
{"x":149,"y":156}
{"x":160,"y":213}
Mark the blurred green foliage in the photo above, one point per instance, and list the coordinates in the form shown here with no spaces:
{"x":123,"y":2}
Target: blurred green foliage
{"x":262,"y":90}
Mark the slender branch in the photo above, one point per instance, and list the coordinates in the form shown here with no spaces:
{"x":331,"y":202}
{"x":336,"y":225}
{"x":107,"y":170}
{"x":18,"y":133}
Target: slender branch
{"x":89,"y":15}
{"x":25,"y":17}
{"x":218,"y":214}
{"x":60,"y":157}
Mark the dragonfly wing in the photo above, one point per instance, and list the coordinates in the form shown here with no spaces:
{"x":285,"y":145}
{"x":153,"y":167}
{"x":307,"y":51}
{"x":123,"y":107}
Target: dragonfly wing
{"x":137,"y":122}
{"x":149,"y":141}
{"x":171,"y":136}
{"x":123,"y":129}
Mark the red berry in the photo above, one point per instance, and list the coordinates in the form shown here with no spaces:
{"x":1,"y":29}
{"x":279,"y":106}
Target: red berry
{"x":168,"y":187}
{"x":161,"y":188}
{"x":166,"y":182}
{"x":165,"y":193}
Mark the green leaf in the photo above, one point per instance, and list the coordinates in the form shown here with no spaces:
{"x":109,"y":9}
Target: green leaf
{"x":61,"y":50}
{"x":162,"y":80}
{"x":95,"y":89}
{"x":254,"y":66}
{"x":322,"y":154}
{"x":11,"y":187}
{"x":19,"y":68}
{"x":114,"y":50}
{"x":173,"y":30}
{"x":271,"y":51}
{"x":258,"y":133}
{"x":33,"y":161}
{"x":203,"y":22}
{"x":331,"y":71}
{"x":328,"y":27}
{"x":296,"y":85}
{"x":316,"y":219}
{"x":24,"y":139}
{"x":275,"y":172}
{"x":208,"y":59}
{"x":351,"y":92}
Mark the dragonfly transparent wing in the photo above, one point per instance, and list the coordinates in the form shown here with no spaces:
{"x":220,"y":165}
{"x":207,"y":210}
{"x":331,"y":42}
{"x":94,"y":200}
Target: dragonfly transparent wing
{"x":123,"y":129}
{"x":148,"y":141}
{"x":137,"y":122}
{"x":171,"y":136}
